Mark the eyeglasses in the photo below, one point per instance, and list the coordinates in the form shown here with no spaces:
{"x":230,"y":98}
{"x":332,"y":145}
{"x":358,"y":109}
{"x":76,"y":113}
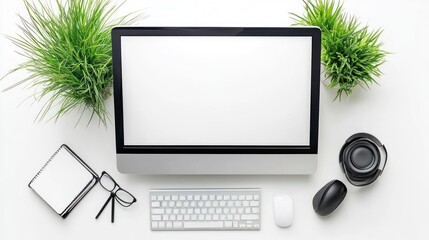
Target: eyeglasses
{"x":117,"y":193}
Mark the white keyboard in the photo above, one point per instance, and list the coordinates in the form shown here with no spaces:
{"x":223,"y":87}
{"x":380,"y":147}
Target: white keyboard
{"x":205,"y":209}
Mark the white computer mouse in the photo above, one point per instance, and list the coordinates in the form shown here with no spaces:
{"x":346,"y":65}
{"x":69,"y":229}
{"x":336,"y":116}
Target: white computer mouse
{"x":283,"y":210}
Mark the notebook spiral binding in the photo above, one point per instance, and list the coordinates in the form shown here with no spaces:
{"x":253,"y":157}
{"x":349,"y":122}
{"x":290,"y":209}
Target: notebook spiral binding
{"x":46,"y":164}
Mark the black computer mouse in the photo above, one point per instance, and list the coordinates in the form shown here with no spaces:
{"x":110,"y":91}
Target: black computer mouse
{"x":329,"y":197}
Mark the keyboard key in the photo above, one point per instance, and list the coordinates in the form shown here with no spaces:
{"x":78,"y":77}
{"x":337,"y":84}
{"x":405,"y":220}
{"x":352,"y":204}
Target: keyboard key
{"x":154,"y":224}
{"x":161,"y":224}
{"x":156,"y":217}
{"x":228,"y":224}
{"x":158,"y":211}
{"x":254,"y":203}
{"x":177,"y":224}
{"x":155,"y":204}
{"x":206,"y":224}
{"x":249,"y":217}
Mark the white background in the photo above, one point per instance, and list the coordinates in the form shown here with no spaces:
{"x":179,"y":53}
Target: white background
{"x":397,"y":111}
{"x":216,"y":90}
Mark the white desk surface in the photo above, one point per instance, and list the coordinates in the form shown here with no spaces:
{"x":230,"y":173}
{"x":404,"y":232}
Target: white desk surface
{"x":397,"y":112}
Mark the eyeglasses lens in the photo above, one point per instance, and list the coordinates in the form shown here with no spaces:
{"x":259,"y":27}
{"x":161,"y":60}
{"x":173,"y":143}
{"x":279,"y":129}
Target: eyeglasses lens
{"x":107,"y":182}
{"x":125,"y":197}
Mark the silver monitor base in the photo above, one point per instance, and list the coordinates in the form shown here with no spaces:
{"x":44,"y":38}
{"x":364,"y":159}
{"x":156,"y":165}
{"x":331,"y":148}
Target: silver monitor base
{"x":217,"y":163}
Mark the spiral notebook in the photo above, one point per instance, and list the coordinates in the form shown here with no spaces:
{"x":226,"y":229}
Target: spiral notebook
{"x":63,"y":181}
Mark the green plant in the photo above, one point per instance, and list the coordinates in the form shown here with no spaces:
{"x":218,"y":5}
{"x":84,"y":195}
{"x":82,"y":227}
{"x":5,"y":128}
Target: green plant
{"x":67,"y":46}
{"x":351,"y":54}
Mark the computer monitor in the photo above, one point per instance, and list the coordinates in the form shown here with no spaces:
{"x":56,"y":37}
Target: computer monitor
{"x":216,"y":100}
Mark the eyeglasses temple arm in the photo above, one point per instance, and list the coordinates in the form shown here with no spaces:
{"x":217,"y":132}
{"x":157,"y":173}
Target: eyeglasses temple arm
{"x":104,"y":206}
{"x":112,"y":196}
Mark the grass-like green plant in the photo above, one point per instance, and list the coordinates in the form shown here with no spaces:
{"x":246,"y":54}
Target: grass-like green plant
{"x":67,"y":46}
{"x":351,"y":54}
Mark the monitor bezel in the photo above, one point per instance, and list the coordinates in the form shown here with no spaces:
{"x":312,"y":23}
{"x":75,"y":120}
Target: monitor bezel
{"x":312,"y":32}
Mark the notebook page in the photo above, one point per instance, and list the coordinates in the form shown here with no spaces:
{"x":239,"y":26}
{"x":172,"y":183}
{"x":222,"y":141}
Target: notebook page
{"x":62,"y":180}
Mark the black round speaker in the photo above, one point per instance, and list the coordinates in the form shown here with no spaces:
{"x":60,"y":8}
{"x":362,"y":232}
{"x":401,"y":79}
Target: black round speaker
{"x":361,"y":159}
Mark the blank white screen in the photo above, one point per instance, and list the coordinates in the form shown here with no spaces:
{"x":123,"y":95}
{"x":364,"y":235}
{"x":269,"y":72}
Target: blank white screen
{"x":216,"y":90}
